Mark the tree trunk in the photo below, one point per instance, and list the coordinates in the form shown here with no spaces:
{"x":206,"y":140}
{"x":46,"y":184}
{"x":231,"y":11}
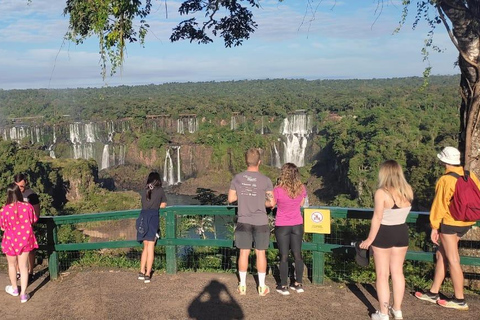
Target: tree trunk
{"x":464,"y":17}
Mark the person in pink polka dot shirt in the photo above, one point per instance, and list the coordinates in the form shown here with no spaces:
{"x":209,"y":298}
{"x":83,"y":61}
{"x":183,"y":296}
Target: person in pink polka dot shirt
{"x":16,"y":219}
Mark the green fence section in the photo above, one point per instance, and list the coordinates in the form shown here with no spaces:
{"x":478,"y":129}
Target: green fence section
{"x":320,"y":245}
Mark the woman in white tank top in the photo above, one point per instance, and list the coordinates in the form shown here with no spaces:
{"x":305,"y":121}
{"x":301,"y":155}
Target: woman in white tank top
{"x":389,"y":237}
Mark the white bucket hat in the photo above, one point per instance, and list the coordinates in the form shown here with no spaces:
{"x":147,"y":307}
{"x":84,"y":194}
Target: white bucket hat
{"x":449,"y":155}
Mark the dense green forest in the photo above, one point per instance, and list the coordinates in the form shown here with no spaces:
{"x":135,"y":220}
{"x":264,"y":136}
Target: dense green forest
{"x":358,"y":123}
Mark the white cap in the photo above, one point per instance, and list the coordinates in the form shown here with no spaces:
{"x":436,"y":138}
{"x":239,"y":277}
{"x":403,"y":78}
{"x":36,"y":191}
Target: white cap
{"x":449,"y":155}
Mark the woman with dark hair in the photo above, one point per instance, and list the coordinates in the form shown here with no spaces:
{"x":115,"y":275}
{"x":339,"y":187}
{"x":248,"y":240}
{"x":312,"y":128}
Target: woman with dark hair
{"x":31,"y":197}
{"x":148,"y":223}
{"x":16,"y":219}
{"x":289,"y":194}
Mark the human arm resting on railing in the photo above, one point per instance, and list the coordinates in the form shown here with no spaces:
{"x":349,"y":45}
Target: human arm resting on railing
{"x":163,"y":205}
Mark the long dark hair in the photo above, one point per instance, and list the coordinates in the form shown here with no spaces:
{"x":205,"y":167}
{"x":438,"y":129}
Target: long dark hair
{"x":153,"y":181}
{"x":13,"y":193}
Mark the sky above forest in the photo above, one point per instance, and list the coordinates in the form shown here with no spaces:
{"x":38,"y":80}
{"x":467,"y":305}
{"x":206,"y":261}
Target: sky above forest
{"x":295,"y":39}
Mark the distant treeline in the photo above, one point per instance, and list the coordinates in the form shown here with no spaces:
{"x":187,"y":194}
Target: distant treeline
{"x":219,"y":99}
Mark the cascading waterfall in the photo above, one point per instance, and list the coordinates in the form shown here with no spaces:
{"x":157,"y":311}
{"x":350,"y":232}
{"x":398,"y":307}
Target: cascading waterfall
{"x":179,"y":179}
{"x":82,"y":136}
{"x":296,"y":130}
{"x":50,"y":148}
{"x":189,"y":122}
{"x":169,"y":168}
{"x":121,"y":155}
{"x":105,"y":157}
{"x":276,"y":162}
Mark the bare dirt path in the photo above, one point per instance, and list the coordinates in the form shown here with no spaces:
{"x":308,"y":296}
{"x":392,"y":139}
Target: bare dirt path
{"x":117,"y":294}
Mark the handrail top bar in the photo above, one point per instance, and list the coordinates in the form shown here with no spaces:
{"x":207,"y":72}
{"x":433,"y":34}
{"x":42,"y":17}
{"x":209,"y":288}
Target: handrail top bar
{"x":203,"y":208}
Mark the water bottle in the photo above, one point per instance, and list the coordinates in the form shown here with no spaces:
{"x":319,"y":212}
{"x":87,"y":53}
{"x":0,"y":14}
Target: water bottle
{"x":305,"y":203}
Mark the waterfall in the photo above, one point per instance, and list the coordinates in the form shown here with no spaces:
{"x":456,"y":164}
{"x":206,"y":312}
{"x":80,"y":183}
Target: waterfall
{"x":276,"y":162}
{"x":105,"y":158}
{"x":180,"y":128}
{"x":170,"y":165}
{"x":83,"y":137}
{"x":110,"y":130}
{"x":121,"y":155}
{"x":190,"y":122}
{"x":178,"y":165}
{"x":168,"y":169}
{"x":296,"y":130}
{"x":50,"y":148}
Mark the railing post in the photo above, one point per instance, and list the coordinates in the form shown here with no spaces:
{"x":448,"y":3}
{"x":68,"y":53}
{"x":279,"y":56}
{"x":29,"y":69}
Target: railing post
{"x":170,"y":233}
{"x":52,"y":253}
{"x":318,"y":272}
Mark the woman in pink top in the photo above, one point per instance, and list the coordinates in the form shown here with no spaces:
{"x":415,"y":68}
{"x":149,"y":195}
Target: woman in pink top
{"x":289,"y":195}
{"x":16,"y":219}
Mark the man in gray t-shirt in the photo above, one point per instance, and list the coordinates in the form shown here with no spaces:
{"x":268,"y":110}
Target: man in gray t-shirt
{"x":254,"y":193}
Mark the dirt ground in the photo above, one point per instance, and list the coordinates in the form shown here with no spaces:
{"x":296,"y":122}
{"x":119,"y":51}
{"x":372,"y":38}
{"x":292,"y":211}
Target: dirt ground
{"x":117,"y":294}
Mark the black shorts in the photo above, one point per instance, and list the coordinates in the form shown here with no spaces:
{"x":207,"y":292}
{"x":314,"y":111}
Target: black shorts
{"x":248,"y":236}
{"x":391,"y":236}
{"x":458,"y":230}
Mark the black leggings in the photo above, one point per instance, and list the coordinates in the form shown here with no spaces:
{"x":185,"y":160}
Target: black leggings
{"x":290,"y":237}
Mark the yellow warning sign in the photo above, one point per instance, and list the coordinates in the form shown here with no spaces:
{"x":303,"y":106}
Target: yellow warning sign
{"x":316,"y":220}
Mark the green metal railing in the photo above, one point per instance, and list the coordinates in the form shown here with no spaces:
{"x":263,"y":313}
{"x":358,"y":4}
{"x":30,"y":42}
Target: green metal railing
{"x":317,"y":245}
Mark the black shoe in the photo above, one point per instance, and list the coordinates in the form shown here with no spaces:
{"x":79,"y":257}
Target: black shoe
{"x":297,"y":287}
{"x":147,"y":279}
{"x":283,"y":290}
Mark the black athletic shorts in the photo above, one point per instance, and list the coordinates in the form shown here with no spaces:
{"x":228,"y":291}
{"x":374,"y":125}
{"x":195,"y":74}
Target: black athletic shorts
{"x":460,"y":231}
{"x":391,"y":236}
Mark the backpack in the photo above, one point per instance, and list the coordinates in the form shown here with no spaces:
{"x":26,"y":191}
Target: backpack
{"x":465,"y":203}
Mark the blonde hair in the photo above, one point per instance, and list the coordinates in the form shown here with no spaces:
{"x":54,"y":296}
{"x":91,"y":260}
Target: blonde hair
{"x":289,"y":180}
{"x":252,"y":157}
{"x":391,"y":178}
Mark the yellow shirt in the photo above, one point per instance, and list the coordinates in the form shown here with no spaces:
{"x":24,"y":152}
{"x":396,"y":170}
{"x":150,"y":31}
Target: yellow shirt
{"x":440,"y":213}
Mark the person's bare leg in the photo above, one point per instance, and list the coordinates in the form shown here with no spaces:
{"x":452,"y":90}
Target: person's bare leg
{"x":143,"y":258}
{"x":31,"y":261}
{"x":243,"y":260}
{"x":381,"y":257}
{"x":12,"y":270}
{"x":150,"y":256}
{"x":261,"y":261}
{"x":450,"y":244}
{"x":398,"y":279}
{"x":441,"y":265}
{"x":23,"y":265}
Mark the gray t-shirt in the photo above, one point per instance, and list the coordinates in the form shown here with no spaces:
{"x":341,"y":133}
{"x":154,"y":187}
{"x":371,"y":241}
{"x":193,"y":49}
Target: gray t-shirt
{"x":251,"y":188}
{"x":156,"y":198}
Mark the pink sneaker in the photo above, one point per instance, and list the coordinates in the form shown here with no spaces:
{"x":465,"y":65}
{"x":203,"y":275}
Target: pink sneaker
{"x":24,"y":297}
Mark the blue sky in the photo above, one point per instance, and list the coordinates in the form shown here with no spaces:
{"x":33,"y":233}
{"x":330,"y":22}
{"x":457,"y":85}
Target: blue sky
{"x":347,"y":39}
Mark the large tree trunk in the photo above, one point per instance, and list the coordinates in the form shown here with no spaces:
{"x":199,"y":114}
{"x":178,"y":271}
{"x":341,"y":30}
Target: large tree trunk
{"x":464,"y":16}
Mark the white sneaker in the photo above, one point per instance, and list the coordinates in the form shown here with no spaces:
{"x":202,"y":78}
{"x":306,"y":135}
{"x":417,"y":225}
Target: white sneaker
{"x":396,"y":314}
{"x":380,"y":316}
{"x":11,"y":291}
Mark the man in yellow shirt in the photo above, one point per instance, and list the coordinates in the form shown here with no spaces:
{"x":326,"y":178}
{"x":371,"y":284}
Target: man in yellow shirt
{"x":446,"y":232}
